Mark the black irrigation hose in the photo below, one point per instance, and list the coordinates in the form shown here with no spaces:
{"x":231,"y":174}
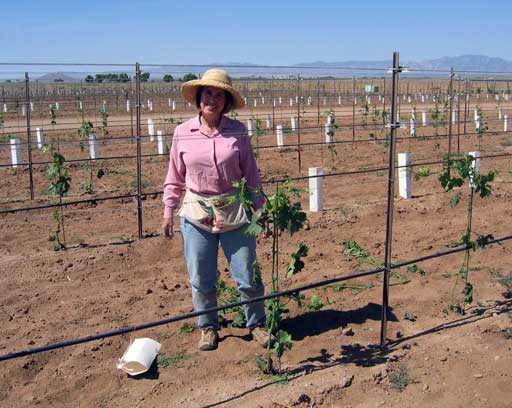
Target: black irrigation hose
{"x":185,"y":316}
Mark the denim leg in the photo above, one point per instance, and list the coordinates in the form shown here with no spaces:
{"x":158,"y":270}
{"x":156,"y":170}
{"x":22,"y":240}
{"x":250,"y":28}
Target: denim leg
{"x":201,"y":251}
{"x":240,"y":251}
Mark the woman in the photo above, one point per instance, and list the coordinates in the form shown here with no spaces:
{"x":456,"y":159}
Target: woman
{"x":209,"y":152}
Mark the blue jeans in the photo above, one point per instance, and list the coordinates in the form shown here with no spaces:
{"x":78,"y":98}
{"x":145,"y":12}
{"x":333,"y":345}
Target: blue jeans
{"x":201,"y":251}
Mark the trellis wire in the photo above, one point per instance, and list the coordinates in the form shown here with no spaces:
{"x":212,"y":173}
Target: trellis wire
{"x":185,"y":316}
{"x":387,"y":265}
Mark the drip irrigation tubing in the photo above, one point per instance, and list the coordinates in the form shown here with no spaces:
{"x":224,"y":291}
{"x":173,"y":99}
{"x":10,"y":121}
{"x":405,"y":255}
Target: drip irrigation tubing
{"x":326,"y":282}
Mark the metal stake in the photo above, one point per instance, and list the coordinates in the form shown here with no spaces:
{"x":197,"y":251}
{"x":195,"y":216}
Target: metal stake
{"x":29,"y":138}
{"x":353,"y":108}
{"x":298,"y":120}
{"x":391,"y":188}
{"x":139,"y":152}
{"x":450,"y":97}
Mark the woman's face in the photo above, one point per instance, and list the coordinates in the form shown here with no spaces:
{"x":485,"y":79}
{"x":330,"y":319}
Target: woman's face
{"x":212,"y":100}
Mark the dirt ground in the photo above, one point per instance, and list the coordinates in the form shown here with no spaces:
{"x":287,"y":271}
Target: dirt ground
{"x":107,"y":279}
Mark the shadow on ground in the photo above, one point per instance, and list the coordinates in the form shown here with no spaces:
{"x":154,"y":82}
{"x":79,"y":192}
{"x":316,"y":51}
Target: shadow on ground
{"x":315,"y":323}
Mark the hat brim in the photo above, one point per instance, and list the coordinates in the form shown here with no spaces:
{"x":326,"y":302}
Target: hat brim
{"x":189,"y":91}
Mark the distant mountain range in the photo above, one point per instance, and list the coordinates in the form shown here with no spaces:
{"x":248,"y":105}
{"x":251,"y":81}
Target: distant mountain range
{"x":461,"y":63}
{"x":485,"y":66}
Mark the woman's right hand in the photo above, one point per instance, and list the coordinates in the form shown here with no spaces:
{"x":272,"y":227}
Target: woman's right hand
{"x":168,"y":228}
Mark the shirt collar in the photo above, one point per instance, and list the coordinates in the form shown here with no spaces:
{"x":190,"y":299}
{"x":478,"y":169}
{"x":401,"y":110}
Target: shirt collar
{"x":224,"y":124}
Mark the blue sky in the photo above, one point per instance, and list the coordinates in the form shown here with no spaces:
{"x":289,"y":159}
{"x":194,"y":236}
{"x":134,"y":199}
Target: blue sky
{"x":260,"y":32}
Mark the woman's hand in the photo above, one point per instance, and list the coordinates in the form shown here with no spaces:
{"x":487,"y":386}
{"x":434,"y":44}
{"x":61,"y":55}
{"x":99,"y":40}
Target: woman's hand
{"x":168,"y":228}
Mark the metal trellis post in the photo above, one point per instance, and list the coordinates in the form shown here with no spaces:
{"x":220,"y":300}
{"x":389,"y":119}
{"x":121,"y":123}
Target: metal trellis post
{"x":298,"y":121}
{"x":391,"y":188}
{"x":139,"y":152}
{"x":449,"y":117}
{"x":353,"y":108}
{"x":29,"y":138}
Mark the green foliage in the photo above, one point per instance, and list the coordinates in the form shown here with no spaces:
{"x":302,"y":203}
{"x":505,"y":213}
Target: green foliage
{"x":275,"y":311}
{"x":285,"y":216}
{"x":144,"y":76}
{"x":399,"y":378}
{"x":423,"y":171}
{"x":60,"y":183}
{"x":53,"y":114}
{"x":243,"y":194}
{"x":355,"y":288}
{"x":256,"y":227}
{"x":282,"y":343}
{"x":168,"y":78}
{"x":333,"y":152}
{"x":188,"y":77}
{"x":355,"y":252}
{"x":85,"y":129}
{"x":468,"y":293}
{"x":364,"y":111}
{"x":296,"y":264}
{"x":438,"y":119}
{"x":316,"y":303}
{"x":414,"y":269}
{"x":256,"y":277}
{"x":173,"y":121}
{"x":258,"y":132}
{"x":108,"y":78}
{"x":104,"y":122}
{"x":479,"y":184}
{"x":229,"y":294}
{"x":186,"y":328}
{"x":263,"y":365}
{"x":1,"y":119}
{"x":164,"y":362}
{"x":455,"y":199}
{"x":281,"y":379}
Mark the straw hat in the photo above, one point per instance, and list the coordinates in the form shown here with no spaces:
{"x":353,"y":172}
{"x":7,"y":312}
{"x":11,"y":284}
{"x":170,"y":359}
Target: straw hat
{"x":213,"y":77}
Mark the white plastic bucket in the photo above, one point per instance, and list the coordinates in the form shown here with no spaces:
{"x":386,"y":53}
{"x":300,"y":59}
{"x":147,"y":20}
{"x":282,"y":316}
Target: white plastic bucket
{"x":139,"y":356}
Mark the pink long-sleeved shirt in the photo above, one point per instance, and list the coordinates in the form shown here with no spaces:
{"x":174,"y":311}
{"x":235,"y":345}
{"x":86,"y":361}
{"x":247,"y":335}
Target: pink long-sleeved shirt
{"x":209,"y":164}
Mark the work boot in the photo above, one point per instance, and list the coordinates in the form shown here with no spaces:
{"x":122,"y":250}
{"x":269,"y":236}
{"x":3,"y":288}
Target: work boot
{"x":262,"y":337}
{"x":209,"y":339}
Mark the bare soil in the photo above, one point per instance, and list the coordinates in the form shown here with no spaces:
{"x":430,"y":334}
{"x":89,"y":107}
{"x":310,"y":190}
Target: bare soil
{"x":107,"y":279}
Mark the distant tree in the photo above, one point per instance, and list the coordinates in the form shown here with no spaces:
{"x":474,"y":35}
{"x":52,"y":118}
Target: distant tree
{"x":168,"y":78}
{"x":89,"y":78}
{"x":144,"y":76}
{"x":124,"y":77}
{"x":188,"y":77}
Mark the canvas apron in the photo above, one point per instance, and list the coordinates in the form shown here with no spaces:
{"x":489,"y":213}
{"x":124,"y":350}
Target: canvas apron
{"x":214,"y":213}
